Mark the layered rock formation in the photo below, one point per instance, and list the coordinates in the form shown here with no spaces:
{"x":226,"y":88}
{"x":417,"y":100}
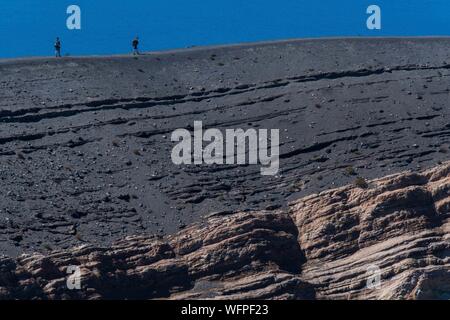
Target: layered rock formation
{"x":85,"y":141}
{"x":322,"y":247}
{"x":399,"y":224}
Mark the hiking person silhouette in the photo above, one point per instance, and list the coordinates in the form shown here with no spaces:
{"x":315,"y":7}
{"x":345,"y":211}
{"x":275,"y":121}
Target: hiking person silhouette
{"x":135,"y":46}
{"x":58,"y":48}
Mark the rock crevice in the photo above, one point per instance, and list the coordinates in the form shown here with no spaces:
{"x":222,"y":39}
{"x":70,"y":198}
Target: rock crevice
{"x":323,"y":246}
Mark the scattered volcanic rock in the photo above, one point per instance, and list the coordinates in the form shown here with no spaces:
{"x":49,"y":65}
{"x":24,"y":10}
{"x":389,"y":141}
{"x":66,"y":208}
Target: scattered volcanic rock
{"x":85,"y":141}
{"x":322,"y":247}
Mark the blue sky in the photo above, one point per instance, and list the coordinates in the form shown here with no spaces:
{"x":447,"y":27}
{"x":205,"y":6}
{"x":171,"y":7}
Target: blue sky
{"x":28,"y":27}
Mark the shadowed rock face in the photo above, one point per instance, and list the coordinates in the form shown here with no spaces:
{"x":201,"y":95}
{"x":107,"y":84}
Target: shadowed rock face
{"x":320,"y":248}
{"x":85,"y":142}
{"x":399,"y":224}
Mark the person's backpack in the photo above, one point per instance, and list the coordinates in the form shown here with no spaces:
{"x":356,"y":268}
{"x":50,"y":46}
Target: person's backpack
{"x":135,"y":43}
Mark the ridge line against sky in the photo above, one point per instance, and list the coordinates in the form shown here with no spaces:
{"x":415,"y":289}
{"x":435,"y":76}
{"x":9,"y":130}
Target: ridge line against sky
{"x":29,"y":27}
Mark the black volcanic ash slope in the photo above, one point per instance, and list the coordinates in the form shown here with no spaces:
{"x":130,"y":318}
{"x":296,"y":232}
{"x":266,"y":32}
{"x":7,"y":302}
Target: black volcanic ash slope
{"x":85,"y":142}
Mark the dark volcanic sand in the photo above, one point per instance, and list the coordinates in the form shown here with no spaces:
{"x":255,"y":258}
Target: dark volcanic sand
{"x":85,"y":142}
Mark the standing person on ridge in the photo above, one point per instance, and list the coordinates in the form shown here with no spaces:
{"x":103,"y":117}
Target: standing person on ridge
{"x":58,"y":48}
{"x":135,"y":46}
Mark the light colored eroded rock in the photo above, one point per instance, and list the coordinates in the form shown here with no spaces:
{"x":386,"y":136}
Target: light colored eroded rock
{"x":321,"y":248}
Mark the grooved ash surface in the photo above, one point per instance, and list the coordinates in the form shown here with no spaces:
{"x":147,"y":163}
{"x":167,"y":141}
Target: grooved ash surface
{"x":85,"y":142}
{"x":322,"y":247}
